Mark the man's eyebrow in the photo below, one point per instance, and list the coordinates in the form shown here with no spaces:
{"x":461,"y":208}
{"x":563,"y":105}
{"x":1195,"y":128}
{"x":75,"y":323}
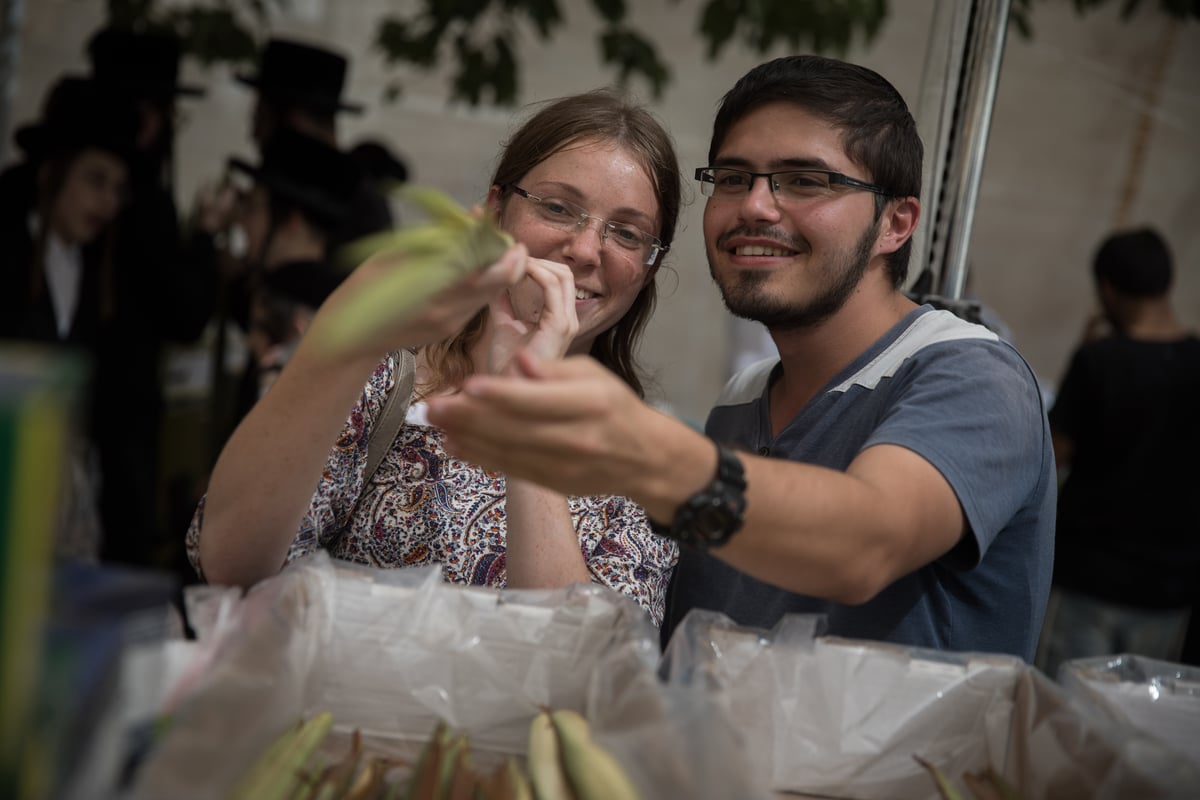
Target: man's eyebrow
{"x":776,"y":165}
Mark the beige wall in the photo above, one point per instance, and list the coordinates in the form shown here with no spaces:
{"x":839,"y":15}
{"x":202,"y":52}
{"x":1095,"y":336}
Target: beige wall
{"x":1065,"y":122}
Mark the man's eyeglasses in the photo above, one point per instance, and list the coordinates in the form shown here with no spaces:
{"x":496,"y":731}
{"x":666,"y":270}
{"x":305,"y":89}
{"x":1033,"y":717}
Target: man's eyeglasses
{"x":789,"y":184}
{"x":569,"y":217}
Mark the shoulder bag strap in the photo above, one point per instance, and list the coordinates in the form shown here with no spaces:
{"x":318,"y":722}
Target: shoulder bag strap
{"x":395,"y":409}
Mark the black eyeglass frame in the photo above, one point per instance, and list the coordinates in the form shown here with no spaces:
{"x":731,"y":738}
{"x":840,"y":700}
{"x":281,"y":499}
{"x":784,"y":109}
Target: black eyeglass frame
{"x":657,"y":248}
{"x":704,"y":175}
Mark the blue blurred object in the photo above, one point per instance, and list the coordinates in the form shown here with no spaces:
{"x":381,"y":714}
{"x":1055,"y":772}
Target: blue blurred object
{"x":96,"y":613}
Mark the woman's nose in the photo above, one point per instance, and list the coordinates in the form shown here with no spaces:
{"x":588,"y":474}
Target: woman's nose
{"x":586,"y":242}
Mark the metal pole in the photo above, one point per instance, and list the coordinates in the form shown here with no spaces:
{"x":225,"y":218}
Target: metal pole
{"x":12,"y":15}
{"x":937,"y":112}
{"x":985,"y":57}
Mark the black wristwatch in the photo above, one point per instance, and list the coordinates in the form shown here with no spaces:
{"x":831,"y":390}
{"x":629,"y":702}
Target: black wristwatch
{"x":712,"y":515}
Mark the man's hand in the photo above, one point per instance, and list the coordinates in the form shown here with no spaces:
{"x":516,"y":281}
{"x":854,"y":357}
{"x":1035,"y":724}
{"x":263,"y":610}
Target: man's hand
{"x":573,"y":426}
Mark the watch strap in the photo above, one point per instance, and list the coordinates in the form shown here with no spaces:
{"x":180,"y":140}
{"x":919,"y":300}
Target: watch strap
{"x":716,"y":512}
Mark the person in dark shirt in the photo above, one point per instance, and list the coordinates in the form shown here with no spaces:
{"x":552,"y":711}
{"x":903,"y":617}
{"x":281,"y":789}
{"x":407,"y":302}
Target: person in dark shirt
{"x":1126,"y":432}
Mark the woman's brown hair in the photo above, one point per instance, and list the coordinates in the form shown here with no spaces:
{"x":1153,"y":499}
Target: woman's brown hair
{"x":597,"y":115}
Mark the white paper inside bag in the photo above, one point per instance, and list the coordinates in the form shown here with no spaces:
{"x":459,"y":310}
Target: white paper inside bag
{"x":409,"y":649}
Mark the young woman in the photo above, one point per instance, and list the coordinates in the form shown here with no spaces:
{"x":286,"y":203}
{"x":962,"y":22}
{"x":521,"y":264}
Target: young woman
{"x":590,"y":188}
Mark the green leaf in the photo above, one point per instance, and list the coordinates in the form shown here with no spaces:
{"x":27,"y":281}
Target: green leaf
{"x":718,"y":23}
{"x":428,"y":258}
{"x":610,"y":10}
{"x":544,"y":15}
{"x":633,"y":54}
{"x":213,"y":35}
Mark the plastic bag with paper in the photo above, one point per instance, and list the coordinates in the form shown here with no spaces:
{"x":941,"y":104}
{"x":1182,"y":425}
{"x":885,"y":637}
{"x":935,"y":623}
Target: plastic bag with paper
{"x":846,"y":719}
{"x":391,"y":652}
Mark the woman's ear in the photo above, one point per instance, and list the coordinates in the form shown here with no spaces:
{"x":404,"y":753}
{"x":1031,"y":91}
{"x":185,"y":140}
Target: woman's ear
{"x":492,"y":204}
{"x":650,"y":273}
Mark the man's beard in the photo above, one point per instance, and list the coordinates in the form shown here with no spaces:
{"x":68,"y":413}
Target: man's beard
{"x":745,"y":296}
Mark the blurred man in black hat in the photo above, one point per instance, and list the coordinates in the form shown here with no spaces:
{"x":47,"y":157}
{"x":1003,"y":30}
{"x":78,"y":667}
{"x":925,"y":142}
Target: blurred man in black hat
{"x":300,"y":86}
{"x":303,"y":191}
{"x":58,"y":281}
{"x":169,"y":290}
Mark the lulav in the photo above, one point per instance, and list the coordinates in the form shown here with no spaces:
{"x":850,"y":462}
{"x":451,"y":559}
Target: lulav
{"x":430,"y":257}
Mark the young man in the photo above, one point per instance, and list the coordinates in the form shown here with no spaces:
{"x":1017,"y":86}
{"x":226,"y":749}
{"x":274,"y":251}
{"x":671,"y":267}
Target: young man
{"x":892,"y":470}
{"x":1125,"y":426}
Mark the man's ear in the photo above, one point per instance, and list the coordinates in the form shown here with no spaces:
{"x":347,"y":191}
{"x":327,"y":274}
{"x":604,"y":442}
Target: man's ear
{"x":898,"y":223}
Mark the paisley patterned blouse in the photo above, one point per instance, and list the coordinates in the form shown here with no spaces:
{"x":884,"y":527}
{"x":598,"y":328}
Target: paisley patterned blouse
{"x":424,"y":507}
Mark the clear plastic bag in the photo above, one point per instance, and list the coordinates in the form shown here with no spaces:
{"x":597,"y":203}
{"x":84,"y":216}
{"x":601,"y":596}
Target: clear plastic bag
{"x":391,"y":652}
{"x":1160,"y":698}
{"x":844,"y":719}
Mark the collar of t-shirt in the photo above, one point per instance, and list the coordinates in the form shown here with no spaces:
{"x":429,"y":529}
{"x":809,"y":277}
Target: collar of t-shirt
{"x":64,"y":273}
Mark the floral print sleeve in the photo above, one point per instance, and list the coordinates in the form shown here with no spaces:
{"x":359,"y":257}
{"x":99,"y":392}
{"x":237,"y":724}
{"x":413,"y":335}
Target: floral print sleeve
{"x":621,"y":551}
{"x":341,"y":479}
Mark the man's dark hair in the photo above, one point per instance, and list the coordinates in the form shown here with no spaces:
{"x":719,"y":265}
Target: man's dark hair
{"x":878,"y":131}
{"x":1137,"y":263}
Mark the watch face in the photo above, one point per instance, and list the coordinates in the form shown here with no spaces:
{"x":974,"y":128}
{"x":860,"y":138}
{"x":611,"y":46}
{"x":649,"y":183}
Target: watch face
{"x":711,"y":522}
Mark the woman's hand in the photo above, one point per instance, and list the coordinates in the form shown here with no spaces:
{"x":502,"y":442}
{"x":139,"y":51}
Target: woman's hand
{"x":537,"y":315}
{"x":441,"y":317}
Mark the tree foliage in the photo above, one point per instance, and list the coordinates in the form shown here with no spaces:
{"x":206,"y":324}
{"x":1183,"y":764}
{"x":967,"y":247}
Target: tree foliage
{"x":476,"y":37}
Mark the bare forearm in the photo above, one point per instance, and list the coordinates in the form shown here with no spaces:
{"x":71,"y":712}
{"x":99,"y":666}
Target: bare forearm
{"x":842,"y":535}
{"x":263,"y":482}
{"x":542,"y":546}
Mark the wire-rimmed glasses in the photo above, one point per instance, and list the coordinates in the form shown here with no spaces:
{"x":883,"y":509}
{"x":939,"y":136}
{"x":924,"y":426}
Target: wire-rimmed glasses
{"x":569,"y":217}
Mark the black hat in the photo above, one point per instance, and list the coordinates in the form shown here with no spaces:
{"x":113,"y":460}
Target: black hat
{"x":143,"y":64}
{"x":315,"y":176}
{"x":301,"y":74}
{"x":79,"y":113}
{"x":305,"y":282}
{"x":377,"y":161}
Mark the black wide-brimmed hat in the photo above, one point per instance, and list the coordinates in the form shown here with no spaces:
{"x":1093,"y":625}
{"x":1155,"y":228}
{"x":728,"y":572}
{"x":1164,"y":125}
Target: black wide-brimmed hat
{"x":311,"y":174}
{"x":308,"y":283}
{"x":303,"y":74}
{"x":143,"y":64}
{"x":79,"y":113}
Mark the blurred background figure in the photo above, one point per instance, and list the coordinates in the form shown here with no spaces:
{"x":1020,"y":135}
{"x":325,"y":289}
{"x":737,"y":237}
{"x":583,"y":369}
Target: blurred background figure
{"x":167,"y":294}
{"x":58,"y":278}
{"x":298,"y":92}
{"x":1126,"y":433}
{"x":299,"y":86}
{"x":382,"y":167}
{"x":303,"y":190}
